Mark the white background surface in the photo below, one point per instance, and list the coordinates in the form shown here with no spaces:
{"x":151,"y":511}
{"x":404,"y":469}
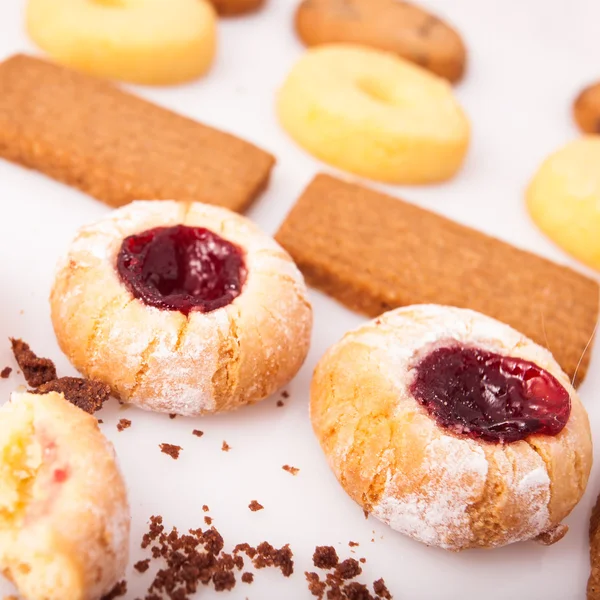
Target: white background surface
{"x":528,"y":60}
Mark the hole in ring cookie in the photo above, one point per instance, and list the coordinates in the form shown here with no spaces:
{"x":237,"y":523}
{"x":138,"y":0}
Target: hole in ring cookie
{"x":182,"y":268}
{"x":488,"y":396}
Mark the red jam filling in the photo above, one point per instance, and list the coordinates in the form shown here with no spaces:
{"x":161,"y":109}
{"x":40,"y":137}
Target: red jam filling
{"x":182,"y":268}
{"x":488,"y":396}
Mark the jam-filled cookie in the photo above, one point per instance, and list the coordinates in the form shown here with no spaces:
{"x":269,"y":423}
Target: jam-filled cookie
{"x":452,"y":428}
{"x":64,"y":516}
{"x":181,"y":308}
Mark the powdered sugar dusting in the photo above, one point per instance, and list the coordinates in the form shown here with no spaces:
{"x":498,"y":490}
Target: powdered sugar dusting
{"x":455,"y":474}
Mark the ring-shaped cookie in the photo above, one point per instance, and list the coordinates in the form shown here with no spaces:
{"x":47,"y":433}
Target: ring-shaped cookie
{"x":374,"y":114}
{"x":64,"y":516}
{"x":152,"y":43}
{"x":443,"y":486}
{"x":162,"y":359}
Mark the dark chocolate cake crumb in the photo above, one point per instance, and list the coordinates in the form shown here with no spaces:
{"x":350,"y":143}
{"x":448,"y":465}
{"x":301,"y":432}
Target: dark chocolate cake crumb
{"x":247,"y":577}
{"x":381,"y":590}
{"x":254,"y":506}
{"x":100,"y":421}
{"x":172,"y":415}
{"x":348,"y":569}
{"x":315,"y":586}
{"x":141,"y":566}
{"x":267,"y":556}
{"x":87,"y":394}
{"x":362,"y":560}
{"x":170,"y":449}
{"x":353,"y":544}
{"x":205,"y":508}
{"x":325,"y":557}
{"x":285,"y":394}
{"x":280,"y":403}
{"x":208,"y":520}
{"x":123,"y":424}
{"x":5,"y":373}
{"x":36,"y":370}
{"x":225,"y":447}
{"x":291,"y":470}
{"x":198,"y":433}
{"x":119,"y":590}
{"x":356,"y":591}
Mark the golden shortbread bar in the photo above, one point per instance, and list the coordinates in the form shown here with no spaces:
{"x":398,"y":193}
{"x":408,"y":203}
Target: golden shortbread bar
{"x":88,"y":133}
{"x":374,"y":252}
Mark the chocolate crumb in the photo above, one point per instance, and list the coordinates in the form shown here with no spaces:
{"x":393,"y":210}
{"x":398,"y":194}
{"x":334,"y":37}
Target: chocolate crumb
{"x":123,"y":424}
{"x":119,"y":590}
{"x":87,"y":394}
{"x":353,"y":544}
{"x":170,"y":449}
{"x":381,"y":590}
{"x":356,"y":591}
{"x":285,"y":394}
{"x":267,"y":556}
{"x":141,"y":566}
{"x":225,"y":447}
{"x":315,"y":586}
{"x":36,"y":370}
{"x":291,"y":470}
{"x":205,"y":508}
{"x":5,"y":373}
{"x":172,"y":415}
{"x":247,"y":577}
{"x":223,"y":580}
{"x":198,"y":433}
{"x":280,"y":403}
{"x":362,"y":560}
{"x":254,"y":506}
{"x":208,"y":520}
{"x":325,"y":557}
{"x":348,"y":569}
{"x":100,"y":421}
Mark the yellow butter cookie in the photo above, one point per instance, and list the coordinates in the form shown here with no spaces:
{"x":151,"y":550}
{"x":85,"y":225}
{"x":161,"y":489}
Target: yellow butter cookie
{"x":374,"y":114}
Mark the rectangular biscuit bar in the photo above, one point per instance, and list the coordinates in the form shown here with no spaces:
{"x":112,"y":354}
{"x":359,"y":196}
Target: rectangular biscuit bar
{"x":373,"y":252}
{"x":117,"y":147}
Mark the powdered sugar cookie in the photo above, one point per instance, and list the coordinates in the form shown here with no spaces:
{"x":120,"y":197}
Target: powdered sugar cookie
{"x":452,"y":428}
{"x":181,"y":308}
{"x":64,"y":516}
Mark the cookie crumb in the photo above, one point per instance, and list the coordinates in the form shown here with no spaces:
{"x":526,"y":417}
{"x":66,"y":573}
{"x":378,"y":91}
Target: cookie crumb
{"x":36,"y":370}
{"x":208,"y":520}
{"x":315,"y":586}
{"x":87,"y":394}
{"x":254,"y":506}
{"x":198,"y":433}
{"x":119,"y":590}
{"x":291,"y":470}
{"x":171,"y":449}
{"x":268,"y":556}
{"x":205,"y":508}
{"x":348,"y":569}
{"x":100,"y":421}
{"x":366,"y":513}
{"x":5,"y":373}
{"x":123,"y":424}
{"x":246,"y":548}
{"x":362,"y":560}
{"x":353,"y":544}
{"x":381,"y":590}
{"x":285,"y":394}
{"x":225,"y":447}
{"x":247,"y":577}
{"x":280,"y":403}
{"x":325,"y":557}
{"x":141,"y":566}
{"x":172,"y":415}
